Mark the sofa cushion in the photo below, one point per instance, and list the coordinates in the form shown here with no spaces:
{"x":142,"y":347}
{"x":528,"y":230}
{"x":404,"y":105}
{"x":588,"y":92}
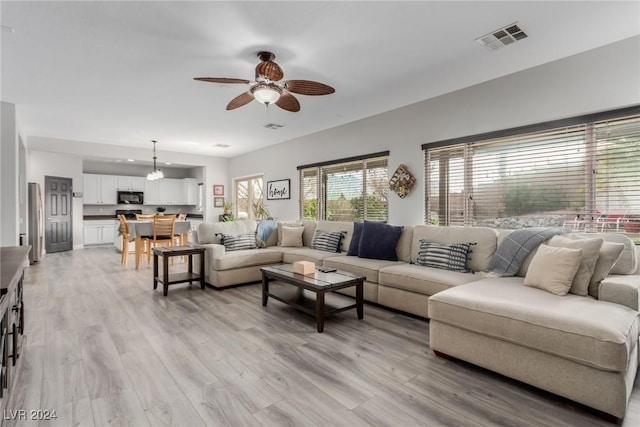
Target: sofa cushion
{"x":447,"y":257}
{"x":379,"y":241}
{"x":628,"y":262}
{"x":590,"y":253}
{"x":337,"y":227}
{"x":285,"y":224}
{"x":246,"y":258}
{"x":514,"y":248}
{"x":553,"y":269}
{"x":594,"y":333}
{"x":363,"y":266}
{"x":309,"y":229}
{"x":239,"y":242}
{"x":352,"y":249}
{"x":291,"y":236}
{"x":327,"y":240}
{"x":423,"y":280}
{"x":355,"y":239}
{"x":481,"y":252}
{"x":610,"y":253}
{"x":210,"y":232}
{"x":306,"y":254}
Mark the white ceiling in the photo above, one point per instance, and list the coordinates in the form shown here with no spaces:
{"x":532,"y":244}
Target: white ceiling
{"x":122,"y":72}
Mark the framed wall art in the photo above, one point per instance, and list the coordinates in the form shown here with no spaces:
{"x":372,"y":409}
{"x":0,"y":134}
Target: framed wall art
{"x":218,"y":202}
{"x":279,"y":190}
{"x":218,"y":190}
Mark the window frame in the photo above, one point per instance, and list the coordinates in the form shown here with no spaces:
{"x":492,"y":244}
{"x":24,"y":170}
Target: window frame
{"x":466,"y":145}
{"x":250,"y":194}
{"x":321,"y":170}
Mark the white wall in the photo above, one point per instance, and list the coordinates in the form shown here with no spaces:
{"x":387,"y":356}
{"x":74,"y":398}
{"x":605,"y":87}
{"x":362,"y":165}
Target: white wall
{"x":9,"y":176}
{"x":43,"y":164}
{"x":598,"y":80}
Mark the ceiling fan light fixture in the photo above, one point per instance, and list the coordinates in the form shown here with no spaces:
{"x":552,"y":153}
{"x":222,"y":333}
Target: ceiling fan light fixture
{"x":266,"y":93}
{"x":155,"y":173}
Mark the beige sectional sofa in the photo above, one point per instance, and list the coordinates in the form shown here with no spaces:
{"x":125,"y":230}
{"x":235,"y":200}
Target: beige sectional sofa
{"x":579,"y":347}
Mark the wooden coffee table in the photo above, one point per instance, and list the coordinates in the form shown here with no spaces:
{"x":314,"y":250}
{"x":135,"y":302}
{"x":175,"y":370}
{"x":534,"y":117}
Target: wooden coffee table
{"x":320,"y":283}
{"x":167,"y":279}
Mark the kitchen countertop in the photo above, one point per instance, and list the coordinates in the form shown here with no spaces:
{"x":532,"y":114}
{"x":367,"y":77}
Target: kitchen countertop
{"x":103,"y":217}
{"x":12,"y":259}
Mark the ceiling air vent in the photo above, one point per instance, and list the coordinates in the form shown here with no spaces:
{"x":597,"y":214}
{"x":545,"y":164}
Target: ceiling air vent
{"x":502,"y":37}
{"x":273,"y":126}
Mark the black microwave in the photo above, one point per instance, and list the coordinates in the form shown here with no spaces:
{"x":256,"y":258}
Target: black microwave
{"x":130,"y":197}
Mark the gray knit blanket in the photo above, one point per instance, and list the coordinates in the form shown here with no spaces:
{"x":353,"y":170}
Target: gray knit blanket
{"x":515,"y":248}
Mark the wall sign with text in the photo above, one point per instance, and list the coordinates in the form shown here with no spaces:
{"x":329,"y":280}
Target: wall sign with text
{"x":279,"y":190}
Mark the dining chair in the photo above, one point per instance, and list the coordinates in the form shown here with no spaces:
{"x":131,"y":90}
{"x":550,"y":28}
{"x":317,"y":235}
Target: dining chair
{"x":164,"y":227}
{"x":144,"y":247}
{"x":144,"y":216}
{"x":124,"y":233}
{"x":182,"y":239}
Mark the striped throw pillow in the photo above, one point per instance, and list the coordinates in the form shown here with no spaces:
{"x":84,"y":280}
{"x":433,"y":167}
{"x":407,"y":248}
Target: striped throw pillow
{"x":242,"y":241}
{"x":448,"y":257}
{"x":326,"y":240}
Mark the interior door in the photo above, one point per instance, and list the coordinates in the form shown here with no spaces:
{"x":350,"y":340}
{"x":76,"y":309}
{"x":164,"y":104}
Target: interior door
{"x":57,"y":207}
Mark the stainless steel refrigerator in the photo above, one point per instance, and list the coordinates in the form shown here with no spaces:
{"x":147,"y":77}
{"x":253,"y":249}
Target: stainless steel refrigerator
{"x":36,"y":222}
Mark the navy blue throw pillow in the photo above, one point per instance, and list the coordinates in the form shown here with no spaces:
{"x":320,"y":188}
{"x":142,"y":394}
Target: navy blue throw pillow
{"x":379,"y":241}
{"x":355,"y":239}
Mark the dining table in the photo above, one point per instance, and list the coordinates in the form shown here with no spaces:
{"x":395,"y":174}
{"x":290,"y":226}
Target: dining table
{"x":139,"y":228}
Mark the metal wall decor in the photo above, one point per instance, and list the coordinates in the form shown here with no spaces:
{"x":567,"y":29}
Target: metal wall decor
{"x":402,"y":181}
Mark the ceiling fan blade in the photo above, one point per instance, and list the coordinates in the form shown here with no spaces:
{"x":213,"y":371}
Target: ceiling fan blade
{"x":240,"y":100}
{"x":221,"y":80}
{"x":269,"y":70}
{"x":308,"y":87}
{"x":288,"y":102}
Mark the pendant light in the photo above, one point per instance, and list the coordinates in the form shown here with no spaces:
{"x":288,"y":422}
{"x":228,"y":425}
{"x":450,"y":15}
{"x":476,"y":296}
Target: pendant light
{"x":156,"y":173}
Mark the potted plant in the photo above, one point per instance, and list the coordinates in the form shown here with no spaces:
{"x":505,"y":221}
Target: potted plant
{"x":227,"y":215}
{"x":260,"y":210}
{"x":227,"y":208}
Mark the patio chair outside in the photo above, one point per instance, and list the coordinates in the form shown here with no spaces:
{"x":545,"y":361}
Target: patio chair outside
{"x":612,"y":220}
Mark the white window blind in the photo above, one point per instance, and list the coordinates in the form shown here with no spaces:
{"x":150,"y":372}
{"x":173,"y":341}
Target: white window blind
{"x":346,"y":190}
{"x":576,"y":176}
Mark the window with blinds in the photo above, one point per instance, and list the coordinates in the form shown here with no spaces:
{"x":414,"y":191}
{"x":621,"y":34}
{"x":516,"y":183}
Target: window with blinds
{"x":351,"y":189}
{"x":584,"y":177}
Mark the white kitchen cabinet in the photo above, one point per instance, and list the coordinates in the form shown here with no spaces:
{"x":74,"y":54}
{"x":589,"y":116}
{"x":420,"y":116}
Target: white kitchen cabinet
{"x":172,"y":192}
{"x":109,"y":188}
{"x":100,"y":189}
{"x":131,"y":183}
{"x":99,"y":232}
{"x":152,"y":192}
{"x":190,"y":186}
{"x":91,"y":193}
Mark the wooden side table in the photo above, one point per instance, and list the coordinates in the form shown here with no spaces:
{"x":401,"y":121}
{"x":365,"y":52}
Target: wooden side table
{"x":167,"y":279}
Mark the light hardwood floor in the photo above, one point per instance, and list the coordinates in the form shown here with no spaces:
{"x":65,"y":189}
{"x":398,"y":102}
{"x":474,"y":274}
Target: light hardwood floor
{"x":104,"y":348}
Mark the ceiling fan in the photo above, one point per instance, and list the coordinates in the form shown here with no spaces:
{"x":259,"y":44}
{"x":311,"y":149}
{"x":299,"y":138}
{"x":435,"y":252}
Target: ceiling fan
{"x":269,"y":88}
